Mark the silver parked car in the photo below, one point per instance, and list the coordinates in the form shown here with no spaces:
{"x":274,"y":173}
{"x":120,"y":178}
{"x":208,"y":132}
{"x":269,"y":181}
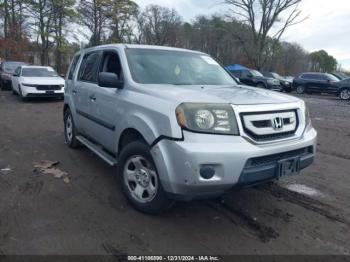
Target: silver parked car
{"x":178,"y":126}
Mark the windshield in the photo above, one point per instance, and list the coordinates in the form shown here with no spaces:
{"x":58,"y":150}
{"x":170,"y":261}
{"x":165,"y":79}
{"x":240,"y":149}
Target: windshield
{"x":175,"y":68}
{"x":12,"y":66}
{"x":256,"y":73}
{"x":277,"y":76}
{"x":332,"y":78}
{"x":39,"y":72}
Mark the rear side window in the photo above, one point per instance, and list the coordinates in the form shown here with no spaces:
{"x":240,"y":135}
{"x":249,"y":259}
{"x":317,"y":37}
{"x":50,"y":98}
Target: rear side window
{"x":73,"y":66}
{"x":311,"y":76}
{"x":89,"y":67}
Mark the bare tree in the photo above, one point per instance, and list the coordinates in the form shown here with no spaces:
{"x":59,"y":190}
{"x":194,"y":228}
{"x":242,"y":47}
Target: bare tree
{"x":159,"y":26}
{"x":93,"y":15}
{"x":41,"y":13}
{"x":121,"y":19}
{"x":266,"y":19}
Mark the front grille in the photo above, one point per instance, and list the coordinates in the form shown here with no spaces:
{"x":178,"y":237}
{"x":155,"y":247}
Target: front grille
{"x":262,"y":138}
{"x":259,"y":125}
{"x":271,"y":159}
{"x":48,"y":87}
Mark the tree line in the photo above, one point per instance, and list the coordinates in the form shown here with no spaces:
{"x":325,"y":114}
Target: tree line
{"x":249,"y":34}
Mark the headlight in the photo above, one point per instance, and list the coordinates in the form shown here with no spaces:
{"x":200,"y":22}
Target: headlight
{"x":207,"y":118}
{"x":31,"y":85}
{"x":307,"y":117}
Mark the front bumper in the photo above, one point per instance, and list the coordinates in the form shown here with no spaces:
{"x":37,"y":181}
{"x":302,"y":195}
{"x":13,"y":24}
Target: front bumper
{"x":28,"y":91}
{"x":179,"y":163}
{"x":275,"y":87}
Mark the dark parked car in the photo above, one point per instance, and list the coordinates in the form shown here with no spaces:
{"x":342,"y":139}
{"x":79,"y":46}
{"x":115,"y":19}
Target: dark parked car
{"x":255,"y":78}
{"x":317,"y":83}
{"x":7,"y":70}
{"x":286,"y":84}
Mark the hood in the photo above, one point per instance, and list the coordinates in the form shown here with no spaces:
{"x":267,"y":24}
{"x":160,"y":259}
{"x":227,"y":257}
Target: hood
{"x":237,"y":95}
{"x":43,"y":80}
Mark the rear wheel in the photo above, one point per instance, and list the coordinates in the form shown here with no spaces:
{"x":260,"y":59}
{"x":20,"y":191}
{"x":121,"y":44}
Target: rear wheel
{"x":300,"y":90}
{"x":344,"y":94}
{"x":69,"y":130}
{"x":139,"y":179}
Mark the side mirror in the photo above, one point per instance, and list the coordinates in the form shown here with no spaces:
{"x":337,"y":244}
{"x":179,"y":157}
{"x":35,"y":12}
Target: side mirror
{"x":16,"y":75}
{"x":110,"y":80}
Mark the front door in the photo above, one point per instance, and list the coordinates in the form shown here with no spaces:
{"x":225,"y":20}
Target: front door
{"x":106,"y":107}
{"x":86,"y":81}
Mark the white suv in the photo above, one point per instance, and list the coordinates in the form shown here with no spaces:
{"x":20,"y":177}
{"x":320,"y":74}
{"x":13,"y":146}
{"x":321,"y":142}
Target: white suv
{"x":178,"y":126}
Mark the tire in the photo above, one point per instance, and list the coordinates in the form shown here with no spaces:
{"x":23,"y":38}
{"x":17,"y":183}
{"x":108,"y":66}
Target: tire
{"x":300,"y":90}
{"x":288,"y":89}
{"x":139,"y":179}
{"x":344,"y":94}
{"x":23,"y":98}
{"x":14,"y":92}
{"x":261,"y":85}
{"x":70,"y":132}
{"x":2,"y":85}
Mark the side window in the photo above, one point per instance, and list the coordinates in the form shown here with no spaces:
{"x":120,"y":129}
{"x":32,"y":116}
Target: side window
{"x":245,"y":73}
{"x":236,"y":73}
{"x":306,"y":76}
{"x":323,"y":77}
{"x":111,"y":64}
{"x":73,"y":66}
{"x":89,"y":67}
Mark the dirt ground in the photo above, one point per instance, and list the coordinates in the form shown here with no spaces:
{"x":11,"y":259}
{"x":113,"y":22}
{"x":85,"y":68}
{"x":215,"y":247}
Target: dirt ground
{"x":84,"y":211}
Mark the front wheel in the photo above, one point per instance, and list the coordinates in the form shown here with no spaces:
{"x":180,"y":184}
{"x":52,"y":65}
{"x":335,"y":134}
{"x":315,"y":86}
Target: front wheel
{"x":139,"y":179}
{"x":344,"y":94}
{"x":21,"y":94}
{"x":260,"y":85}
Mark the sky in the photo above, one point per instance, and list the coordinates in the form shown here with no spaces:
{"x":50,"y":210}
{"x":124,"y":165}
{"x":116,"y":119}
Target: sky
{"x":327,"y":26}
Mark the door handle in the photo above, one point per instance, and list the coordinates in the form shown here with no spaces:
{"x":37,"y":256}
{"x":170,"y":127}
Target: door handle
{"x":92,"y":98}
{"x":74,"y":91}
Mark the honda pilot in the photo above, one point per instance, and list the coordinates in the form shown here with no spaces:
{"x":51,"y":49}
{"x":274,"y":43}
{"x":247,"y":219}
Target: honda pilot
{"x":177,"y":126}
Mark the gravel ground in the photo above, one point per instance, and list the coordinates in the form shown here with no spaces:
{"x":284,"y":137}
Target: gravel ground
{"x":82,"y":210}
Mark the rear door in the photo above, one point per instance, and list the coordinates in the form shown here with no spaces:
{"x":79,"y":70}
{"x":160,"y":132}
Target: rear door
{"x":315,"y":83}
{"x":82,"y":92}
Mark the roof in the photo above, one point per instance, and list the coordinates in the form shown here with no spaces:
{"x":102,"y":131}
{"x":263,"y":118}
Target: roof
{"x":35,"y":66}
{"x":135,"y":46}
{"x":236,"y":67}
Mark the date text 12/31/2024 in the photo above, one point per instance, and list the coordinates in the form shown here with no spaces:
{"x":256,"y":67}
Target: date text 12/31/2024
{"x":173,"y":258}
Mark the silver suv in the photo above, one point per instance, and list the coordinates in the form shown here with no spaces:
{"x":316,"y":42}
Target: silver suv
{"x":178,"y":126}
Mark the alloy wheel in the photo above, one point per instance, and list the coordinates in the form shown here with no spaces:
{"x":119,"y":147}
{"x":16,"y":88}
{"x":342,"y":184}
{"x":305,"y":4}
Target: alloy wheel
{"x":345,"y":94}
